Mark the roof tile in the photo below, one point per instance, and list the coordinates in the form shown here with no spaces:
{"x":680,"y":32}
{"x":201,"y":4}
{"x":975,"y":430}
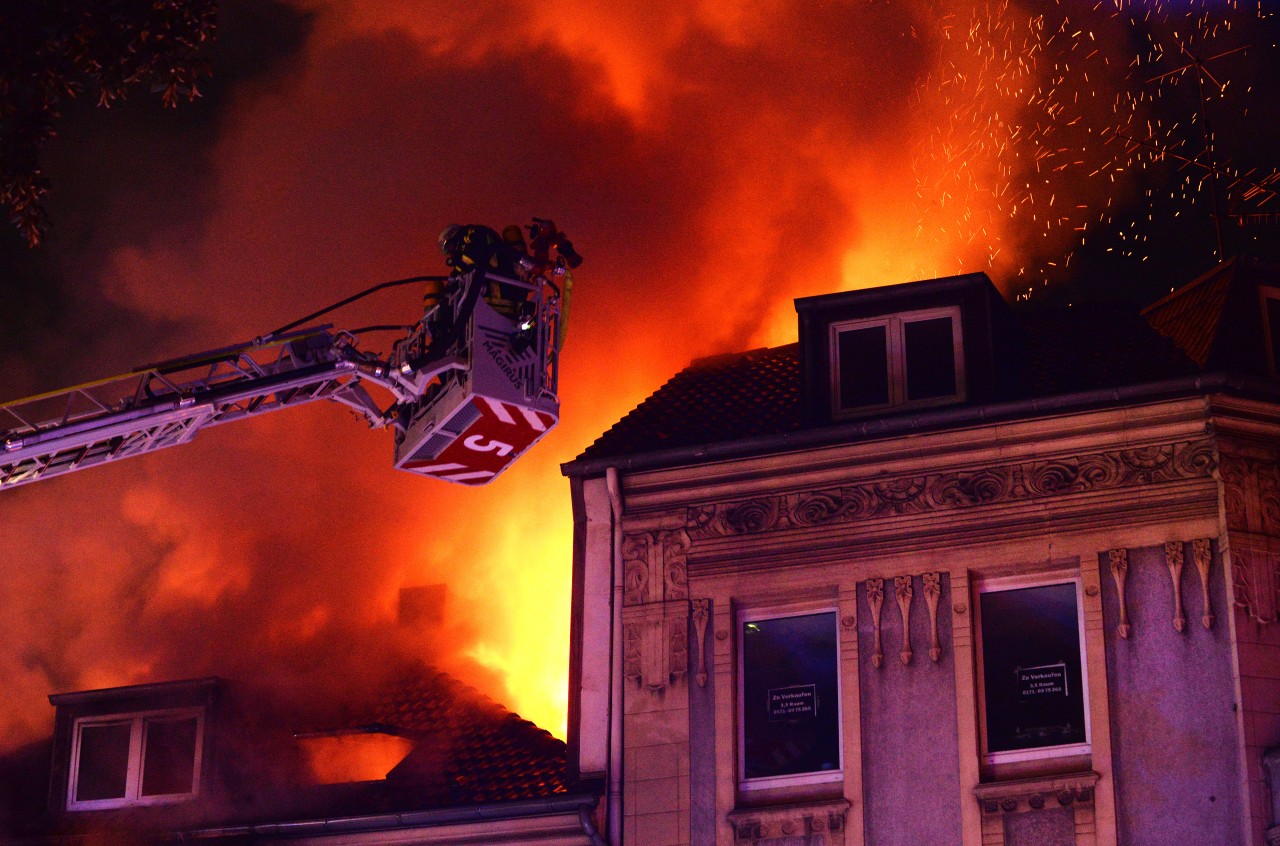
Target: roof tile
{"x":758,"y":393}
{"x":470,"y":748}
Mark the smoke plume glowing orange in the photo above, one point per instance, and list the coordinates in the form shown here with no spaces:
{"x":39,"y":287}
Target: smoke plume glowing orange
{"x":712,"y":161}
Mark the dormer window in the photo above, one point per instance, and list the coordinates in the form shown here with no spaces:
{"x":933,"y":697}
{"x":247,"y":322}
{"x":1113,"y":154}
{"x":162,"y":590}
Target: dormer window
{"x":135,"y":759}
{"x":911,"y":359}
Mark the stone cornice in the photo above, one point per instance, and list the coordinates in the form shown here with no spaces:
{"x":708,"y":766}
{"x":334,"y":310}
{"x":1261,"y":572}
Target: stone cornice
{"x":820,"y":821}
{"x":1013,"y":482}
{"x":981,"y":441}
{"x":1035,"y":793}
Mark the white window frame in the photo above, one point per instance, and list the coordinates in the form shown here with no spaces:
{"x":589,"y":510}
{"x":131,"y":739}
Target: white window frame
{"x":999,"y":585}
{"x":895,"y":354}
{"x":819,"y":777}
{"x":1265,"y":293}
{"x":133,"y":780}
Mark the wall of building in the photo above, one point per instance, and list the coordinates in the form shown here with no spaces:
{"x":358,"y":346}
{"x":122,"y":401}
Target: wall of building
{"x":907,"y":712}
{"x":1031,"y":500}
{"x":1250,"y":470}
{"x":703,"y":819}
{"x":1173,"y":709}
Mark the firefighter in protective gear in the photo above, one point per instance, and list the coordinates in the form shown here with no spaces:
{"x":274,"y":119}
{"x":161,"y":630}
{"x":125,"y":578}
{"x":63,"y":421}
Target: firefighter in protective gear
{"x":471,"y":246}
{"x":547,"y":254}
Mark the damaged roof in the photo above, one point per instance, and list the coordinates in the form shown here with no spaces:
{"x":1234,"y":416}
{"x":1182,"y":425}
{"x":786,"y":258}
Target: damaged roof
{"x":470,"y":749}
{"x":464,"y":751}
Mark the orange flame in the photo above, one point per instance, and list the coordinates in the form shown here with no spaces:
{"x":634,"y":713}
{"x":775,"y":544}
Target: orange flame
{"x":711,"y":161}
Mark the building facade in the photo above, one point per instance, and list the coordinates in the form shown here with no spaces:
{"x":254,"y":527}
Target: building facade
{"x":422,"y":759}
{"x":941,"y":572}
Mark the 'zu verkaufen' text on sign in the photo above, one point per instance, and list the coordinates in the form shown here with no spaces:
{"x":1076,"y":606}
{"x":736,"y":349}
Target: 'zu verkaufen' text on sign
{"x":800,"y":700}
{"x":1046,"y":680}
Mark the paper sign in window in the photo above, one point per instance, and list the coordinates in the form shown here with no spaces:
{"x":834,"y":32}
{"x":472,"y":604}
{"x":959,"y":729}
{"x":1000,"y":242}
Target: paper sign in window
{"x":795,"y":702}
{"x":1049,"y":680}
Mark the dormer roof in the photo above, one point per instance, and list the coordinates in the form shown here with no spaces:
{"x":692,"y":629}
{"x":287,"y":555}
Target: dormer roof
{"x":1087,"y":354}
{"x":1218,"y":320}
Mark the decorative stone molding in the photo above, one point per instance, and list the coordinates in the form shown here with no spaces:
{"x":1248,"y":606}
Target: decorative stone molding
{"x":875,"y":598}
{"x":1120,"y":569}
{"x":655,"y":566}
{"x":701,"y":611}
{"x":1027,"y":480}
{"x":1201,"y":552}
{"x":932,"y":591}
{"x":636,"y":552}
{"x":902,"y":588}
{"x":675,"y":566}
{"x":655,"y":592}
{"x":1173,"y":560}
{"x":1251,"y":492}
{"x":655,"y":643}
{"x":1255,"y":578}
{"x":1251,"y":484}
{"x":815,"y":822}
{"x":631,"y":651}
{"x":678,"y":640}
{"x":1031,"y":794}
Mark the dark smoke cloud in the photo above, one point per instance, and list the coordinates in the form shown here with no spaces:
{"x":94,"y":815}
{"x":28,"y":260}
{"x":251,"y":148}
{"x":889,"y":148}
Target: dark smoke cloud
{"x":711,"y":164}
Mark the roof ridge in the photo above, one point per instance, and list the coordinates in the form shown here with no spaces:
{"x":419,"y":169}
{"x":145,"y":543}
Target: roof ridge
{"x":727,"y":357}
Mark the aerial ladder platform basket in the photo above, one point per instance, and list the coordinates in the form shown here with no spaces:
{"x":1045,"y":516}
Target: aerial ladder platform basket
{"x":477,"y":419}
{"x":472,"y":385}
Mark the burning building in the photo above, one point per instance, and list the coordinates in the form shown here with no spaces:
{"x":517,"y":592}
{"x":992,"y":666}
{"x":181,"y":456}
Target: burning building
{"x":943,"y":572}
{"x":415,"y":755}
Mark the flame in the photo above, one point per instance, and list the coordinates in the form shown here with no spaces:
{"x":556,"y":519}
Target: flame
{"x":711,"y":161}
{"x":344,"y":758}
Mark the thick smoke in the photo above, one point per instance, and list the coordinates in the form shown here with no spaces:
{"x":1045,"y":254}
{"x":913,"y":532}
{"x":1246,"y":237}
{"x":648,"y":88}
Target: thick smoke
{"x":711,"y":161}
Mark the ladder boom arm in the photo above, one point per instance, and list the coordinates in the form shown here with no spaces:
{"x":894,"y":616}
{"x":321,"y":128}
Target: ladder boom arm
{"x":165,"y":405}
{"x":474,"y":382}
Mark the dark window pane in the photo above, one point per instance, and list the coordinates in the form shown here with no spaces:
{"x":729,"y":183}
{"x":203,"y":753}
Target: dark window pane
{"x":931,"y":358}
{"x":864,"y":367}
{"x":790,"y":705}
{"x":1031,"y":668}
{"x":1273,"y":327}
{"x":169,"y":757}
{"x":104,"y":761}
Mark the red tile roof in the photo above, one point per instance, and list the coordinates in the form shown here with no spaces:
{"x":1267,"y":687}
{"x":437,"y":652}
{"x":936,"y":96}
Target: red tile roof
{"x":758,"y":393}
{"x":1190,"y":316}
{"x":721,"y":398}
{"x":470,"y":749}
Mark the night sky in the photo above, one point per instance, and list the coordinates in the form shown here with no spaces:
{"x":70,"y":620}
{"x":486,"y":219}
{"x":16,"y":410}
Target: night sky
{"x":711,"y":161}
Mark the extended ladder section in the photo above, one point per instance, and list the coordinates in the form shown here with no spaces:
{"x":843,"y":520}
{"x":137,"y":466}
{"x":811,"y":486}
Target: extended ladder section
{"x":166,"y":404}
{"x":473,"y":387}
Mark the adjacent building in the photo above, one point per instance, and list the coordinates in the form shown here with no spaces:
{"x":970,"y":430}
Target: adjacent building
{"x":422,"y":759}
{"x":943,"y":572}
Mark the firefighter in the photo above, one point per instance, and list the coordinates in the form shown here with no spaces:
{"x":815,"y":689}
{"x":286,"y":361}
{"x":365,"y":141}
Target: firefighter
{"x":471,"y":246}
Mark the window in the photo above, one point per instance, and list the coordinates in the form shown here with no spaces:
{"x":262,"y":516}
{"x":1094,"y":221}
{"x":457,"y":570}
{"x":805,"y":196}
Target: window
{"x":789,"y":694}
{"x":138,"y":759}
{"x":911,"y":359}
{"x":1034,"y":695}
{"x":1271,"y":326}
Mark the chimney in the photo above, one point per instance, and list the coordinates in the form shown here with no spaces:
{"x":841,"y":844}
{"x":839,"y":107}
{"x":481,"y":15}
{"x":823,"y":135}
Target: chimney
{"x":423,"y":605}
